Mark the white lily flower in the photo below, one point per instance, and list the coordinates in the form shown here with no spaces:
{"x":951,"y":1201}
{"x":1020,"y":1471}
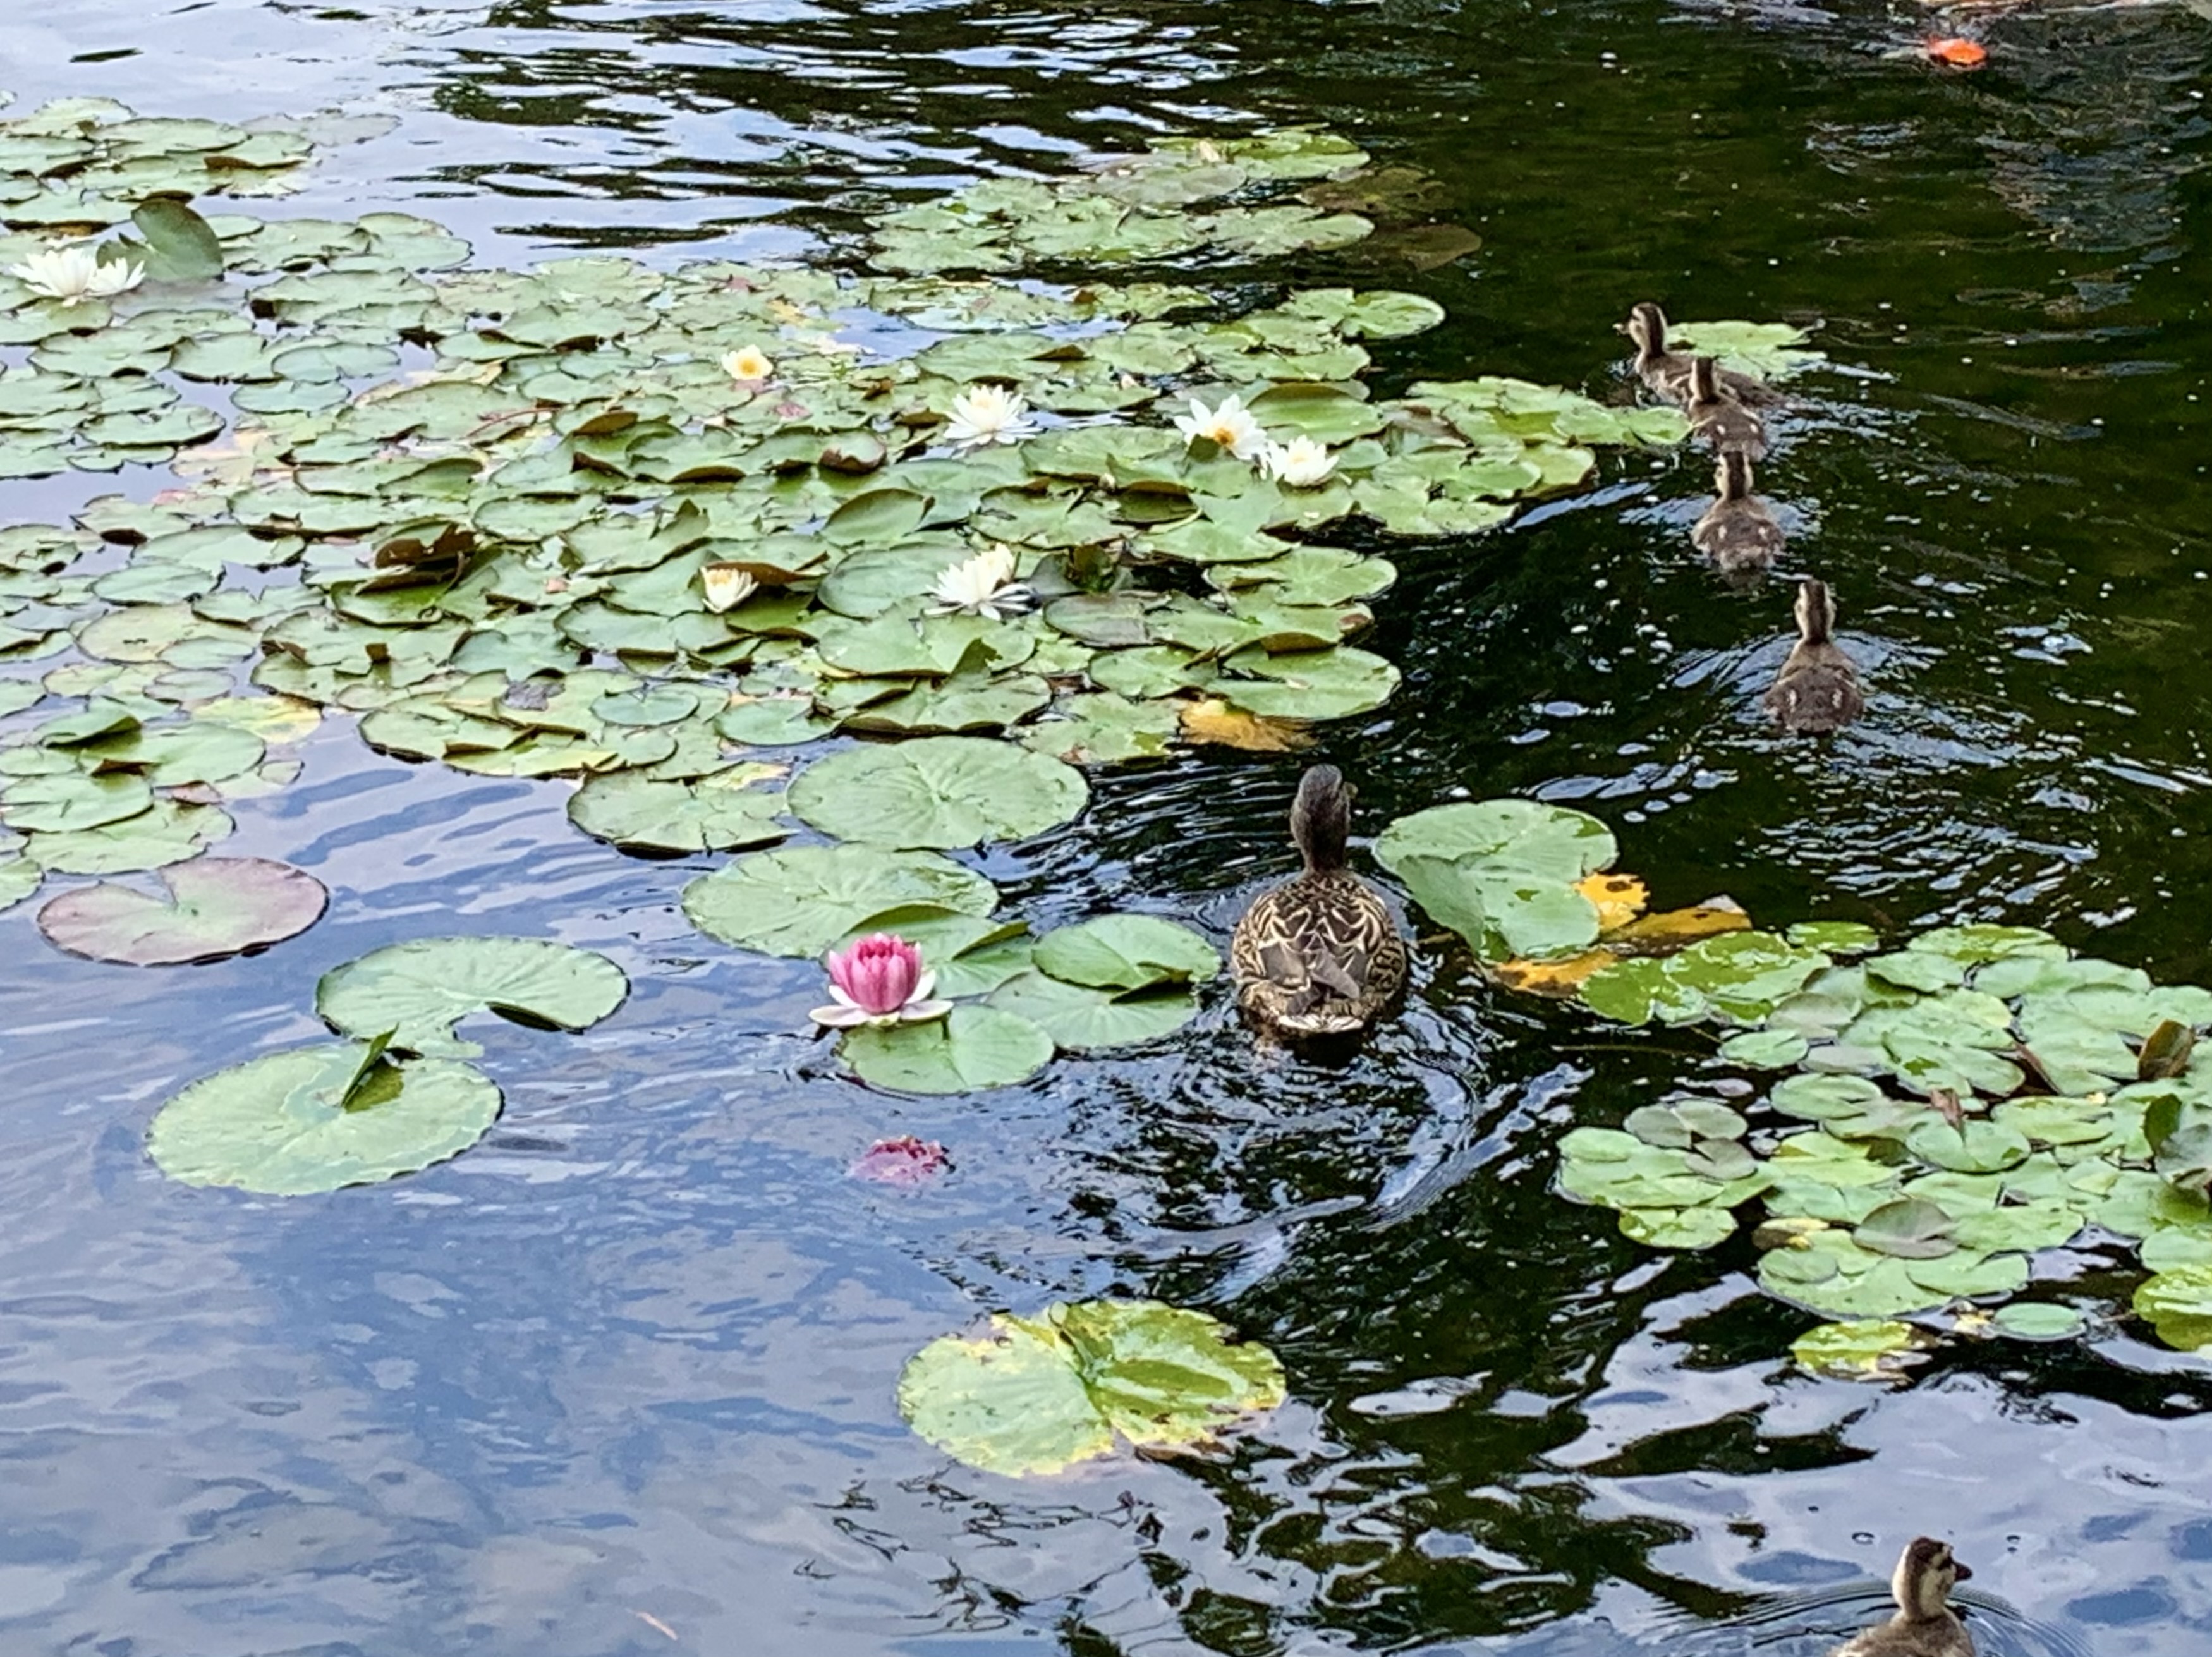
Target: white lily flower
{"x":989,"y":414}
{"x":747,"y":364}
{"x":727,"y":586}
{"x":983,"y":586}
{"x":1301,"y":463}
{"x":71,"y":274}
{"x":1230,"y":424}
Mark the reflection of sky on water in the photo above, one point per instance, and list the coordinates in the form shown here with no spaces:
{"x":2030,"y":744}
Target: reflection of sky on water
{"x":632,"y":1357}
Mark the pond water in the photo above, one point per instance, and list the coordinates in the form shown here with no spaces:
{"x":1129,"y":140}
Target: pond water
{"x":621,"y":1380}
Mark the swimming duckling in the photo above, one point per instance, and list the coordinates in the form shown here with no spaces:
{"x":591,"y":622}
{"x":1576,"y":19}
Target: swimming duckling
{"x":1718,"y":418}
{"x":1817,"y":688}
{"x":1738,"y":532}
{"x":1924,"y":1625}
{"x":1668,"y":372}
{"x":1318,"y":955}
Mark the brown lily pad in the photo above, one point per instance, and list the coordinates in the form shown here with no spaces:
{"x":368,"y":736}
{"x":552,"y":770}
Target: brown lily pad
{"x":216,"y":907}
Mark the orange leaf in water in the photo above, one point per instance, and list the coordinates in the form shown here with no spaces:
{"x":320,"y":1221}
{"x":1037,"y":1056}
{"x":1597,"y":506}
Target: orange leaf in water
{"x":1677,"y":929}
{"x":1553,"y":977}
{"x":1959,"y":52}
{"x":1620,"y":898}
{"x":1211,"y":719}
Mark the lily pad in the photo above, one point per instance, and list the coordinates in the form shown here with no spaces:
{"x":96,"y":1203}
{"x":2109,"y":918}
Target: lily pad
{"x":942,"y":791}
{"x":971,"y":1048}
{"x":1862,"y":1349}
{"x":216,"y":907}
{"x":417,"y":990}
{"x":639,"y":814}
{"x":1127,"y":952}
{"x":803,"y":900}
{"x":1036,"y":1395}
{"x":315,"y":1119}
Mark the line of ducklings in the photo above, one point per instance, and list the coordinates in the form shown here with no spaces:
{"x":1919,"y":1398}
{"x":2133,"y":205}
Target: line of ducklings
{"x":1817,"y":688}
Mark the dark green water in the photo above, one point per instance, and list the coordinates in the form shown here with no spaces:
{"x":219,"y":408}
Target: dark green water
{"x":635,"y":1355}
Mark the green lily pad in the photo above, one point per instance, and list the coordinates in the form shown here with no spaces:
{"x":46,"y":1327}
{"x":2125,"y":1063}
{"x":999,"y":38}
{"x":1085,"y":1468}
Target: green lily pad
{"x":216,"y":907}
{"x":970,"y":1049}
{"x":2037,"y":1320}
{"x":417,"y":990}
{"x":1909,"y":1230}
{"x":315,"y":1119}
{"x":1679,"y":1227}
{"x":1080,"y":1018}
{"x":2178,"y":1305}
{"x":1036,"y":1395}
{"x":639,"y":815}
{"x":941,"y":792}
{"x":803,"y":900}
{"x":1862,"y":1349}
{"x":1127,"y":952}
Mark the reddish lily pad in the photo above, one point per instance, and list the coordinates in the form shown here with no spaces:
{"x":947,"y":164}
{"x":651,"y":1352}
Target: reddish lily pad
{"x":216,"y":907}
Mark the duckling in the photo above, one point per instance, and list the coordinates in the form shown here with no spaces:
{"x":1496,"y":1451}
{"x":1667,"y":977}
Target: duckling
{"x":1718,"y":418}
{"x":1817,"y":688}
{"x":1738,"y":531}
{"x":1318,"y":955}
{"x":1668,"y":372}
{"x":1925,"y":1625}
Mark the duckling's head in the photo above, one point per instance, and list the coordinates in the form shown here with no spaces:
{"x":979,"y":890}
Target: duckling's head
{"x":1647,"y":326}
{"x":1926,"y":1572}
{"x":1816,"y":620}
{"x":1320,"y":818}
{"x":1704,"y":380}
{"x":1732,"y":475}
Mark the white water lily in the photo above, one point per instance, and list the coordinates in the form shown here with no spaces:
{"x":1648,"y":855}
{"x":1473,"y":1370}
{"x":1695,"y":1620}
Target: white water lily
{"x":748,"y":363}
{"x":1301,"y":463}
{"x":983,"y":586}
{"x":1228,"y":423}
{"x":71,"y":274}
{"x":989,"y":414}
{"x":727,"y":586}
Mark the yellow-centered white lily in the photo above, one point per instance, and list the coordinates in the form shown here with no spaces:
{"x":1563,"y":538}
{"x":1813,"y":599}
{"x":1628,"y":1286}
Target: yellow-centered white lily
{"x":1301,"y":463}
{"x":988,"y":413}
{"x":1228,"y":423}
{"x":75,"y":273}
{"x":727,"y":586}
{"x":747,"y":365}
{"x":983,"y":586}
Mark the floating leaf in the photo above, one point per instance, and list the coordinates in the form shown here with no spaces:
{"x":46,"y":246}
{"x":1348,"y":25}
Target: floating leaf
{"x":2179,"y":1304}
{"x":216,"y":906}
{"x":417,"y":990}
{"x":1080,"y":1018}
{"x":315,"y":1119}
{"x":2037,"y":1320}
{"x":1035,"y":1395}
{"x":639,"y":814}
{"x":1862,"y":1349}
{"x":971,"y":1048}
{"x":942,"y":791}
{"x":803,"y":901}
{"x":1127,"y":952}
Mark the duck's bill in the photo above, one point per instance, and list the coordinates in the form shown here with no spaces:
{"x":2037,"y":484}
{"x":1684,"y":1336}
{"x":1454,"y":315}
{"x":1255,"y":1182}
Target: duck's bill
{"x":1963,"y":1569}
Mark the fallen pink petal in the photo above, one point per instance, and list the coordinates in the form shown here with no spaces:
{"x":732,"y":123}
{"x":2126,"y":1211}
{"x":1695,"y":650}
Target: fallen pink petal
{"x":905,"y":1161}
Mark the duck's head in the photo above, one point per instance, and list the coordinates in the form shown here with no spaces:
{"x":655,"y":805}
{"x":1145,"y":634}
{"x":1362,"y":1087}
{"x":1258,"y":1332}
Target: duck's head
{"x":1647,"y":326}
{"x":1816,"y":620}
{"x":1926,"y":1572}
{"x":1320,"y":817}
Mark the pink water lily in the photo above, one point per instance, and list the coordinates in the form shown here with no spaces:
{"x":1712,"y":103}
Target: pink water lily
{"x":880,"y":979}
{"x":905,"y":1161}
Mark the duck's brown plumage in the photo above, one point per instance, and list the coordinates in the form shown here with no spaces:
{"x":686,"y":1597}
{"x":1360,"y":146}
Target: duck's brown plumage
{"x":1668,"y":372}
{"x":1318,"y":955}
{"x":1818,"y":689}
{"x":1924,"y":1625}
{"x":1718,"y":418}
{"x":1738,"y":532}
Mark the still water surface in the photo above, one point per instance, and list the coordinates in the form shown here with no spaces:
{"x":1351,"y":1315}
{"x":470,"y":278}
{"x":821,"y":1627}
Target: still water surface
{"x":634,"y":1357}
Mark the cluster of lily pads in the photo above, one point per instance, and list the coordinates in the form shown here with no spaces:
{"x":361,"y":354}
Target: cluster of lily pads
{"x":1956,"y":1121}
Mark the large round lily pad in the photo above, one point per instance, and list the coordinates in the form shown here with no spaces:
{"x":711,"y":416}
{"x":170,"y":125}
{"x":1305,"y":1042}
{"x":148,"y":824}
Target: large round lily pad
{"x":216,"y":906}
{"x":314,"y":1119}
{"x":1127,"y":952}
{"x":416,"y":991}
{"x":1035,"y":1395}
{"x":802,"y":900}
{"x":942,"y":791}
{"x":641,"y":814}
{"x":969,"y":1049}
